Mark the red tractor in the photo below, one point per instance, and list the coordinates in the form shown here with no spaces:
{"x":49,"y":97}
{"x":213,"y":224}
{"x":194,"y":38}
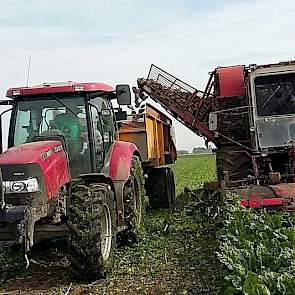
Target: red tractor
{"x":248,"y":112}
{"x":65,"y":172}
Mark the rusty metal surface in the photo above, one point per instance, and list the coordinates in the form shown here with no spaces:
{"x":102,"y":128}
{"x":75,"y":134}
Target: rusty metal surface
{"x":187,"y":104}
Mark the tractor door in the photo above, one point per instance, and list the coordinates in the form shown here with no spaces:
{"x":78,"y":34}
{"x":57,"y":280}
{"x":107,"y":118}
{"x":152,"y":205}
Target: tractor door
{"x":104,"y":128}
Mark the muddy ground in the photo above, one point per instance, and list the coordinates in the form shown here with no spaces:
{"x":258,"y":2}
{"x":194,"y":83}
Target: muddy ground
{"x":172,"y":258}
{"x":175,"y":255}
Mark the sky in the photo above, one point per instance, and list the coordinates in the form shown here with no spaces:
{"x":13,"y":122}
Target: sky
{"x":116,"y":41}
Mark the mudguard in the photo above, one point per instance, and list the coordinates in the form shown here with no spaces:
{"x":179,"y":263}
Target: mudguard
{"x":120,"y":164}
{"x":121,"y":159}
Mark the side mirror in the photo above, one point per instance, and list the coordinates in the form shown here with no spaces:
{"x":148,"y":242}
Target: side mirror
{"x":212,"y":121}
{"x":106,"y":112}
{"x":123,"y":94}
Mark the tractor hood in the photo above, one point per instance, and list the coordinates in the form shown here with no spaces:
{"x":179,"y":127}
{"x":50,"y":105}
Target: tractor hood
{"x":33,"y":152}
{"x":45,"y":160}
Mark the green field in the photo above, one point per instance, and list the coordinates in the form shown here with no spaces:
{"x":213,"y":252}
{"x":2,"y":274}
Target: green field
{"x":192,"y":171}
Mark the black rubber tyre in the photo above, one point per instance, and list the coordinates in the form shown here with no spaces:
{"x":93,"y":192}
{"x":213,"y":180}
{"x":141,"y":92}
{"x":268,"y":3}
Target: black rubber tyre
{"x":134,"y":202}
{"x":160,"y":187}
{"x":92,"y":230}
{"x":237,"y":162}
{"x":172,"y":188}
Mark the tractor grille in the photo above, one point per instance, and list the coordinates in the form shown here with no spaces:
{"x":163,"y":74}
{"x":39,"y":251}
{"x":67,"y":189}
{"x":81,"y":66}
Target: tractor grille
{"x":19,"y":199}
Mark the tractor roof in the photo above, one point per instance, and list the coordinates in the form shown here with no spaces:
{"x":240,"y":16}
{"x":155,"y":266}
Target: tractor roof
{"x":58,"y":87}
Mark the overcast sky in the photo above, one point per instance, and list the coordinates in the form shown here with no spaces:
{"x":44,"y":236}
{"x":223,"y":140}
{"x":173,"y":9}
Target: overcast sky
{"x":115,"y":41}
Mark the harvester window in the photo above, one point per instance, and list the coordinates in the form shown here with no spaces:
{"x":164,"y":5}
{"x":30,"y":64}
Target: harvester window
{"x":275,"y":95}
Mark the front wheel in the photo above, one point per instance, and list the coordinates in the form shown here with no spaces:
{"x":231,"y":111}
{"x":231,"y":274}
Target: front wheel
{"x":92,"y":230}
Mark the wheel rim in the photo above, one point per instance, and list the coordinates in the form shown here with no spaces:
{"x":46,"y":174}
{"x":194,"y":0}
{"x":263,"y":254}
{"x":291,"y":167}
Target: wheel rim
{"x":106,"y":233}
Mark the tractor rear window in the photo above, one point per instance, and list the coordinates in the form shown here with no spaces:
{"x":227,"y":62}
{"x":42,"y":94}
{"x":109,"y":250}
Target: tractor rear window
{"x":275,"y":94}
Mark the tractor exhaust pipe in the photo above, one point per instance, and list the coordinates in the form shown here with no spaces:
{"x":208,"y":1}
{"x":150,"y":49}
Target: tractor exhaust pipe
{"x":2,"y":203}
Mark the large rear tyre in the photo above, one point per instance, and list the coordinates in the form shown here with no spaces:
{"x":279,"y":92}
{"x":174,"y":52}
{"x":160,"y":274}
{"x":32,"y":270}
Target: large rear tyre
{"x":160,"y":187}
{"x":134,"y":202}
{"x":92,"y":230}
{"x":237,"y":163}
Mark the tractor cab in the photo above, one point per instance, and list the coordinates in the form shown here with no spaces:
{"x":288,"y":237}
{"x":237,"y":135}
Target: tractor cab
{"x":79,"y":115}
{"x":68,"y":174}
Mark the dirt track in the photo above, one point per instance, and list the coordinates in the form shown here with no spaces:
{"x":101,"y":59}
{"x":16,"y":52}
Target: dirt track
{"x":172,"y":258}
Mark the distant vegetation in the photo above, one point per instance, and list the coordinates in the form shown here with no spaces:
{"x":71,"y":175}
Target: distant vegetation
{"x":196,"y":150}
{"x":201,"y":150}
{"x":182,"y":152}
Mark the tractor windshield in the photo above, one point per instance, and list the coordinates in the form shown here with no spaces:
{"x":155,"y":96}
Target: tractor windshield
{"x":35,"y":116}
{"x":275,"y":94}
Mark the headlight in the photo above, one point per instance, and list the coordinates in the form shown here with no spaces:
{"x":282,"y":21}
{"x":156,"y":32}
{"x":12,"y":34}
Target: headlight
{"x":32,"y":185}
{"x":29,"y":185}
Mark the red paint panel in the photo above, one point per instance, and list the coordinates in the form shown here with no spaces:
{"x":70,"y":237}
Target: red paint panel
{"x":272,"y":195}
{"x":121,"y":160}
{"x":54,"y":166}
{"x":263,"y":202}
{"x":26,"y":153}
{"x":231,"y":81}
{"x":67,"y":87}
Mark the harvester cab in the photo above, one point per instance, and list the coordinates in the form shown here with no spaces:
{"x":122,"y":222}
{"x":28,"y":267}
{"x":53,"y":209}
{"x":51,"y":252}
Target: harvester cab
{"x":273,"y":98}
{"x":248,"y":112}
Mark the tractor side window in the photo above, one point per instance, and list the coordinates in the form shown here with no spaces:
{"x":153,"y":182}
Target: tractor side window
{"x":106,"y":121}
{"x":23,"y":120}
{"x":97,"y":136}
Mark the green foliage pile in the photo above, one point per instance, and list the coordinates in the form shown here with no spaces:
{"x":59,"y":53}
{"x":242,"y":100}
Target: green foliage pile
{"x":255,"y":249}
{"x":258,"y":249}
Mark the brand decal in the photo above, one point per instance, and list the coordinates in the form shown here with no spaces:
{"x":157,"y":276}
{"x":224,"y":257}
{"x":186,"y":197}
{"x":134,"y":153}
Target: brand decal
{"x":52,"y":151}
{"x":18,"y":173}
